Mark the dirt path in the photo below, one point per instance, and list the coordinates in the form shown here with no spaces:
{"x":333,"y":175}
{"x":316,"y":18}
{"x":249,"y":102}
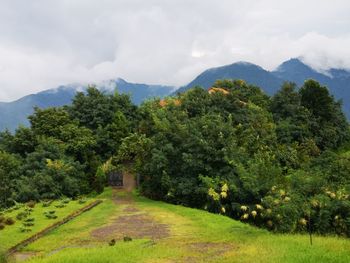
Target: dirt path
{"x":136,"y":222}
{"x":131,"y":222}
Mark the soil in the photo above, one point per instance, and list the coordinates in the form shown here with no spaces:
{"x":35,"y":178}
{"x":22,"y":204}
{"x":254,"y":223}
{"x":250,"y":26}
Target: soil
{"x":22,"y":256}
{"x":135,"y":223}
{"x":131,"y":222}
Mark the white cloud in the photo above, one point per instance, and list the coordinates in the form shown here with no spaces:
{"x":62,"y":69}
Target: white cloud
{"x":45,"y":43}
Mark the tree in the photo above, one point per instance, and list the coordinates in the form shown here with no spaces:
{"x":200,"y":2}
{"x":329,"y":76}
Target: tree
{"x":49,"y":173}
{"x":328,"y":124}
{"x":293,"y":119}
{"x":48,"y":122}
{"x":96,"y":109}
{"x":100,"y":180}
{"x":9,"y":171}
{"x":109,"y":137}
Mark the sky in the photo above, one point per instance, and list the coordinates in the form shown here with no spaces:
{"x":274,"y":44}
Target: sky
{"x":46,"y":43}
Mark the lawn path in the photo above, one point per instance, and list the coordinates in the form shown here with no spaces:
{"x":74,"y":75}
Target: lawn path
{"x":165,"y":233}
{"x":131,"y":222}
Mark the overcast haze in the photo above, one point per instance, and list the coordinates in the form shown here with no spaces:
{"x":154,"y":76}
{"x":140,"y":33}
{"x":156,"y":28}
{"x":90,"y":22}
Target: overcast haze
{"x":46,"y":43}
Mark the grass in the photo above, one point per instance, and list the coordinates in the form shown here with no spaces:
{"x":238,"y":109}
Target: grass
{"x":195,"y":236}
{"x":36,"y":220}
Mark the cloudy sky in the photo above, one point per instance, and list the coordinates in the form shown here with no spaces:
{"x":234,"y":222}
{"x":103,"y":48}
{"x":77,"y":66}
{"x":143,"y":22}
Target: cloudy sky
{"x":45,"y":43}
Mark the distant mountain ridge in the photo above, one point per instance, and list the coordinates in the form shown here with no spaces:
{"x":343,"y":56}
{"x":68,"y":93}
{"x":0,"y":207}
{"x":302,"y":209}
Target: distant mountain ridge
{"x":16,"y":112}
{"x":249,"y":72}
{"x":294,"y":70}
{"x":337,"y":80}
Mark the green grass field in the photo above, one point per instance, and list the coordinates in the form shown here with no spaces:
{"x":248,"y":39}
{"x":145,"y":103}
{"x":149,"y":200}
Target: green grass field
{"x":187,"y":235}
{"x":12,"y":234}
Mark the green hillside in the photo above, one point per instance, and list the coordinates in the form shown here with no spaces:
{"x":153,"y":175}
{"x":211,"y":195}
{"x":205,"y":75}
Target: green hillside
{"x":163,"y":232}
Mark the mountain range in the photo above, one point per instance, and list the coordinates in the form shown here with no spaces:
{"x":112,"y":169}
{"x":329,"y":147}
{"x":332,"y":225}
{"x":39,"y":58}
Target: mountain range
{"x":337,"y":80}
{"x":16,"y":112}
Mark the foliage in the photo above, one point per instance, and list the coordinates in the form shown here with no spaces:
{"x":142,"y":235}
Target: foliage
{"x":100,"y":180}
{"x":195,"y":234}
{"x":279,"y":162}
{"x":266,"y":154}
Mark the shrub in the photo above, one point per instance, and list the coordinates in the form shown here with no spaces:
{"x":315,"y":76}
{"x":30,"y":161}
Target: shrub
{"x":65,"y":201}
{"x":127,"y":239}
{"x":50,"y":214}
{"x":22,"y":215}
{"x":2,"y":226}
{"x":100,"y":180}
{"x":47,"y":203}
{"x":82,"y":201}
{"x":28,"y":224}
{"x":31,"y":204}
{"x":9,"y":221}
{"x":31,"y":219}
{"x":16,"y":207}
{"x":25,"y":229}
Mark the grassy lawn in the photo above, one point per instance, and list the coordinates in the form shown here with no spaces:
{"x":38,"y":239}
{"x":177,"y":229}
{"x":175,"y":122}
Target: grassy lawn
{"x":194,"y":236}
{"x":13,"y":234}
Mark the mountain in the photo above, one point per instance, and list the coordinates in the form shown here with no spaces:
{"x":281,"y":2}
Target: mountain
{"x":16,"y":112}
{"x":251,"y":73}
{"x":337,"y":80}
{"x":295,"y":70}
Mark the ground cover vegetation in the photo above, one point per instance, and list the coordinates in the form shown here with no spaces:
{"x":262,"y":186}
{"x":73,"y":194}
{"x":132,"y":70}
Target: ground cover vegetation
{"x":162,"y":232}
{"x":280,"y":162}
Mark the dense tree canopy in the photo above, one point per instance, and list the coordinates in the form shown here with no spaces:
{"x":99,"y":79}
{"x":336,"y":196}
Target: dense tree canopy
{"x":278,"y":162}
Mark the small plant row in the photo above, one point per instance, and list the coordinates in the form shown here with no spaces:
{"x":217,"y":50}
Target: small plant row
{"x":28,"y":222}
{"x":6,"y":221}
{"x":53,"y":226}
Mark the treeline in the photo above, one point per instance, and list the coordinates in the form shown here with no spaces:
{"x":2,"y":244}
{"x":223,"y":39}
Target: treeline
{"x":280,"y":162}
{"x":64,"y":151}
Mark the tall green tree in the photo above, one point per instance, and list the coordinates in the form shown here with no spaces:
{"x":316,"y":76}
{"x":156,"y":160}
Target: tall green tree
{"x":9,"y":172}
{"x":328,"y":125}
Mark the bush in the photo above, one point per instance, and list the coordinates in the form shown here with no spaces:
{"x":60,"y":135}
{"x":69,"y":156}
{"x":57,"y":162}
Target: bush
{"x":100,"y":180}
{"x":9,"y":221}
{"x":50,"y":214}
{"x":47,"y":203}
{"x":65,"y":201}
{"x":2,"y":226}
{"x":82,"y":201}
{"x":27,"y":224}
{"x":22,"y":215}
{"x":25,"y":229}
{"x":31,"y":204}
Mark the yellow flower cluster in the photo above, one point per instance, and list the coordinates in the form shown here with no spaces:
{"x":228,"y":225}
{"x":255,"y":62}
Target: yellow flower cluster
{"x":244,"y":208}
{"x":315,"y":203}
{"x":223,"y":194}
{"x":56,"y":164}
{"x":213,"y":194}
{"x":303,"y":221}
{"x":245,"y":216}
{"x":254,"y":213}
{"x":259,"y":207}
{"x":224,"y":190}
